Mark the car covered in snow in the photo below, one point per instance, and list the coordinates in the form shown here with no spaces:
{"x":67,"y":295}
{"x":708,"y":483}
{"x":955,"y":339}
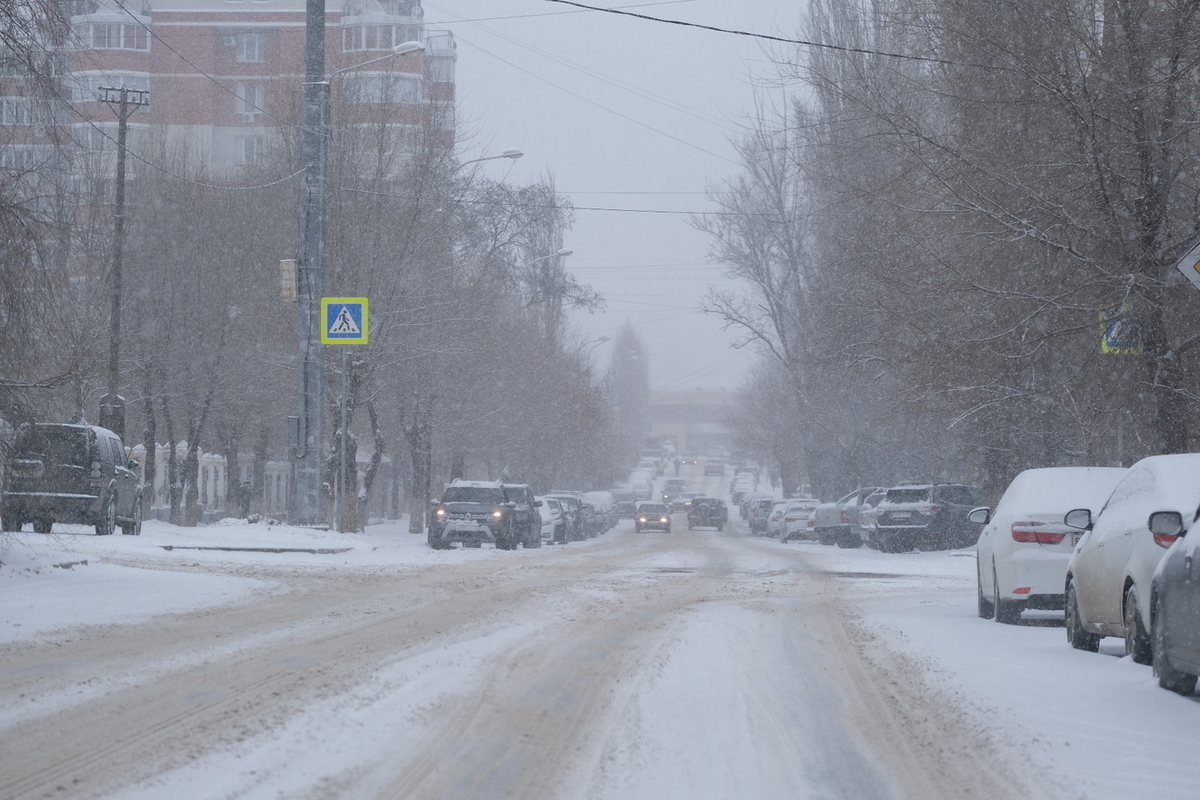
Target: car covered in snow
{"x":840,"y":522}
{"x":1110,"y":574}
{"x":1022,"y":553}
{"x":775,"y":518}
{"x":78,"y":474}
{"x":553,"y":523}
{"x":796,"y":519}
{"x":758,"y":508}
{"x":707,"y":512}
{"x":1175,"y":611}
{"x":931,"y":516}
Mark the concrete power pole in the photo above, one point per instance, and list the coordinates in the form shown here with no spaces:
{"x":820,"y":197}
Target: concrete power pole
{"x":314,"y":96}
{"x":112,"y":405}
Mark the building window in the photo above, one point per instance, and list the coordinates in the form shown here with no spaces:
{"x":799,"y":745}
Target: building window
{"x":444,"y":116}
{"x":249,"y":100}
{"x":248,"y":149}
{"x":251,"y":47}
{"x":440,"y":69}
{"x":16,"y":111}
{"x":22,"y":158}
{"x":377,"y":37}
{"x":85,"y":87}
{"x":386,"y":87}
{"x":114,"y":36}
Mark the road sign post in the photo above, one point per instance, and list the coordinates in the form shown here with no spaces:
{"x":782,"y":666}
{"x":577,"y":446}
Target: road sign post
{"x":344,"y":320}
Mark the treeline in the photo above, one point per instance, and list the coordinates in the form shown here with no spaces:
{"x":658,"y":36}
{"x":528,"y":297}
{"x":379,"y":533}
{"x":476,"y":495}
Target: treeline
{"x":932,"y":225}
{"x":471,"y":368}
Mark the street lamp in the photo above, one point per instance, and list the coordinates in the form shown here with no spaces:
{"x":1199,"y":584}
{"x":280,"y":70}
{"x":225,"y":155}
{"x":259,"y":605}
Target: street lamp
{"x":314,"y":149}
{"x":513,"y":154}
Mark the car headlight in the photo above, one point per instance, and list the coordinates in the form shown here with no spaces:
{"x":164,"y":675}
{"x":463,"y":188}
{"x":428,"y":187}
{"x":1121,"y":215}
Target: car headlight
{"x":662,"y":519}
{"x":641,"y":519}
{"x":441,"y":512}
{"x":497,"y":514}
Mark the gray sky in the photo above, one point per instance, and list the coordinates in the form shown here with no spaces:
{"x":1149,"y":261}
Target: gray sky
{"x":628,"y":114}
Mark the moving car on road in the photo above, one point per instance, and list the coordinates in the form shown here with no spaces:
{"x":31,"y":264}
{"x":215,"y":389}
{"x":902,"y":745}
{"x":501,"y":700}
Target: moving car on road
{"x":707,"y":512}
{"x":474,"y":512}
{"x":652,"y":517}
{"x":1022,"y":553}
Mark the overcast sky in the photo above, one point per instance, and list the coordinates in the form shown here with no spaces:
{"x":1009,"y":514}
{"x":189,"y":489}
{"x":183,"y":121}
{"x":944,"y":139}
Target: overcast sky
{"x":627,"y":114}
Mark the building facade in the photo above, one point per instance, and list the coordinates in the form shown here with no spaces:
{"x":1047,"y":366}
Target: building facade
{"x":223,"y":79}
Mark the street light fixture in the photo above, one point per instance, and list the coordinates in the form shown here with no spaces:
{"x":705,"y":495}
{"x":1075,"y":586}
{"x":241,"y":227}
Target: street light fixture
{"x":314,"y":148}
{"x":513,"y":154}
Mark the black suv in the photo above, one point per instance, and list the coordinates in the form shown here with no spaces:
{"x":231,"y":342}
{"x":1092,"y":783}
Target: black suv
{"x":526,"y":516}
{"x":930,"y":516}
{"x":71,"y":473}
{"x":474,"y":512}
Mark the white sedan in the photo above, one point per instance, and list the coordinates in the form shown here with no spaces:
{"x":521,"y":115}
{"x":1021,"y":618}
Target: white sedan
{"x":1022,"y":553}
{"x":1110,"y":573}
{"x":796,"y":519}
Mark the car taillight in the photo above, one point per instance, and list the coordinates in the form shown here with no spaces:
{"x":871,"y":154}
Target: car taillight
{"x":845,"y":516}
{"x":929,"y":510}
{"x":1033,"y":532}
{"x":1164,"y":540}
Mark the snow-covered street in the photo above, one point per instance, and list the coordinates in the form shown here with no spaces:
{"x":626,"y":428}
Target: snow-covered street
{"x":683,"y":665}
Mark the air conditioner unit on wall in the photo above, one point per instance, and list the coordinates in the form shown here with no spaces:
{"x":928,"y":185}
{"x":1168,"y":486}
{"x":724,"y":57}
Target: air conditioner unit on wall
{"x":248,"y":116}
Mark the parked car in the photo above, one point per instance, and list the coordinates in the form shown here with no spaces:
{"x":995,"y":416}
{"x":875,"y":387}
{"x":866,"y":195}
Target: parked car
{"x":652,"y":517}
{"x":840,"y":522}
{"x":76,"y":474}
{"x":1022,"y":553}
{"x":796,"y":517}
{"x":526,"y":518}
{"x":758,"y":507}
{"x":641,"y":483}
{"x":775,"y":518}
{"x":707,"y":512}
{"x":1110,"y":574}
{"x":606,"y":508}
{"x":1175,"y":611}
{"x":554,"y":522}
{"x":714,"y":467}
{"x":573,"y":511}
{"x":930,"y":516}
{"x":474,"y":512}
{"x":868,"y":513}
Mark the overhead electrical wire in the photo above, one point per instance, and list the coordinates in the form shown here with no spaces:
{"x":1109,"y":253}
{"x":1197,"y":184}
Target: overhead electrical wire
{"x":782,"y":39}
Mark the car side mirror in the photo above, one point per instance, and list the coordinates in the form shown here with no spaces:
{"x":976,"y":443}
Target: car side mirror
{"x":980,"y":516}
{"x":510,"y":504}
{"x":433,"y":502}
{"x":133,"y":464}
{"x":1079,"y":518}
{"x":1166,"y":523}
{"x":537,"y":503}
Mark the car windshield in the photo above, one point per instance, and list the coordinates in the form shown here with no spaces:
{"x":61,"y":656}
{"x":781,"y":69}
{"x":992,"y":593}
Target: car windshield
{"x":908,"y":495}
{"x":652,"y":508}
{"x":484,"y":495}
{"x":58,"y":445}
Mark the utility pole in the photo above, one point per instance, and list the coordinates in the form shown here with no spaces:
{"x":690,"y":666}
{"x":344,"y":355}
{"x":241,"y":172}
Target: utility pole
{"x":314,"y":96}
{"x":112,"y":405}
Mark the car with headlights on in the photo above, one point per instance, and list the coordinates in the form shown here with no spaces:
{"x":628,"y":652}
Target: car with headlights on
{"x":1110,"y":575}
{"x":652,"y":517}
{"x":474,"y":512}
{"x":1022,"y":553}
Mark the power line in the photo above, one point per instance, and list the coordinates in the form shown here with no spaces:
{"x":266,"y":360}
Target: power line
{"x":783,"y":39}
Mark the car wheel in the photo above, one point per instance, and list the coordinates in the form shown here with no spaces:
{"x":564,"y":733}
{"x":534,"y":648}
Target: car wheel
{"x":134,"y":526}
{"x":108,"y":521}
{"x":42,"y":525}
{"x":1137,"y":640}
{"x":1169,"y":678}
{"x":986,"y":607}
{"x":10,"y":522}
{"x":1076,"y":635}
{"x":1007,"y":611}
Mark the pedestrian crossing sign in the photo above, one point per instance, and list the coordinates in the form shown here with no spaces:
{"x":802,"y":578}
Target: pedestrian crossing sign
{"x":344,"y":320}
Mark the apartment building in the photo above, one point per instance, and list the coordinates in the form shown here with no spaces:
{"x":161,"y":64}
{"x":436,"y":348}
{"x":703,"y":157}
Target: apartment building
{"x":223,"y":77}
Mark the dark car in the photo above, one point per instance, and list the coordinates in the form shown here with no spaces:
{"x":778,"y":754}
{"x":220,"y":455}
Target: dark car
{"x":707,"y":512}
{"x":573,"y":511}
{"x":71,"y":473}
{"x":929,"y":516}
{"x":474,"y":512}
{"x":526,"y":516}
{"x":1175,"y":607}
{"x":652,"y":517}
{"x":758,"y":507}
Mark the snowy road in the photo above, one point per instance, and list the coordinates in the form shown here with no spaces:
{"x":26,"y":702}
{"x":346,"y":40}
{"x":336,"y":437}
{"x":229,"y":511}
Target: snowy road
{"x":661,"y":665}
